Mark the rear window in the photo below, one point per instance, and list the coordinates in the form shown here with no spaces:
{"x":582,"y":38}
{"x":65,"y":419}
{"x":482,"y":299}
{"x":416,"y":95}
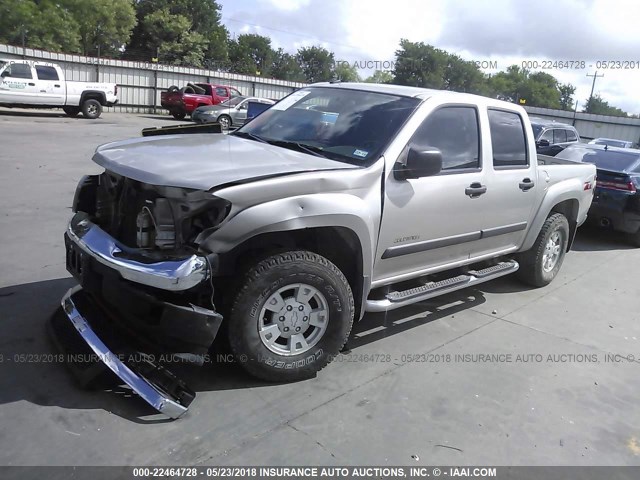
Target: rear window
{"x":571,"y":136}
{"x":508,"y":139}
{"x":604,"y":159}
{"x":46,"y":73}
{"x":559,"y":135}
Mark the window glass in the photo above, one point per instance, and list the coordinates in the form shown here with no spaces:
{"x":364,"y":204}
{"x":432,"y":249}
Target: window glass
{"x":18,"y":70}
{"x":548,"y":136}
{"x":221,"y":92}
{"x":453,"y":131}
{"x":508,"y":139}
{"x":46,"y":73}
{"x":234,"y":92}
{"x":559,"y":135}
{"x":571,"y":136}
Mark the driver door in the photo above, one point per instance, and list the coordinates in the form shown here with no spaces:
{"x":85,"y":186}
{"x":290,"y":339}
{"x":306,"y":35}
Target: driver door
{"x":434,"y":221}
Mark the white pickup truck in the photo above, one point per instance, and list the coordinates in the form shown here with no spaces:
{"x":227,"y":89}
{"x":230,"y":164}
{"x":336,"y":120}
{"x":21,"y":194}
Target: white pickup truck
{"x":30,"y":84}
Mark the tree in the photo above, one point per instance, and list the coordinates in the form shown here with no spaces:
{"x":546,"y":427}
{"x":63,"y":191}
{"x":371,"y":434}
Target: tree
{"x":346,"y":72}
{"x":422,"y":65}
{"x":251,"y":54}
{"x":104,"y":26}
{"x":45,"y":24}
{"x":285,"y":67}
{"x":183,"y":32}
{"x":380,"y":76}
{"x":598,"y":105}
{"x":566,"y":93}
{"x":317,"y":64}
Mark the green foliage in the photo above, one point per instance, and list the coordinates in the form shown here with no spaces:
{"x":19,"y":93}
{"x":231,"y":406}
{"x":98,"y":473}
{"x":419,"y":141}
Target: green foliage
{"x":421,"y":65}
{"x":566,"y":93}
{"x":285,"y":67}
{"x":251,"y":54}
{"x":179,"y":32}
{"x":380,"y":76}
{"x":317,"y":64}
{"x":346,"y":72}
{"x":599,"y":106}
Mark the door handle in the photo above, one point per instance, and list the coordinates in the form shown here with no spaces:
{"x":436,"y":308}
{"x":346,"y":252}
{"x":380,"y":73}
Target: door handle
{"x":475,"y":190}
{"x":57,"y":86}
{"x":526,"y":184}
{"x":32,"y":84}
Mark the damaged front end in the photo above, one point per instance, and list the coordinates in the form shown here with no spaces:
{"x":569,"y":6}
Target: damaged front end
{"x":145,"y":285}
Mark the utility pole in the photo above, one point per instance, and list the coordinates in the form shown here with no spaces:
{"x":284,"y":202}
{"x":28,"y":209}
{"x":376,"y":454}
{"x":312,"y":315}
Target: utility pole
{"x":593,"y":85}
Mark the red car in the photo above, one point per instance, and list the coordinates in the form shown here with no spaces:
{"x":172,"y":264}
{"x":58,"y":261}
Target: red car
{"x":181,"y":102}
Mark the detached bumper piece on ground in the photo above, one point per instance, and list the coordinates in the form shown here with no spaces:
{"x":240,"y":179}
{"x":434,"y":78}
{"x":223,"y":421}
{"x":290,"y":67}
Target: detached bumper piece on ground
{"x":85,"y":336}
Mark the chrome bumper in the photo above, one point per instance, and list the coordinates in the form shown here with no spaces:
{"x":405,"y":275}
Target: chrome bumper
{"x":173,"y":275}
{"x":162,"y":402}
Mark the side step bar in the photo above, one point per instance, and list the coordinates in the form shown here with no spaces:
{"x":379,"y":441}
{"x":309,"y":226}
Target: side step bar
{"x":403,"y":298}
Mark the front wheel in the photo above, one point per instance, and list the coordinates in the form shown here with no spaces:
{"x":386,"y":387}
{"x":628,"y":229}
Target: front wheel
{"x":540,"y":265}
{"x":293,"y":313}
{"x":178,"y":115}
{"x":224,"y":121}
{"x":91,"y":109}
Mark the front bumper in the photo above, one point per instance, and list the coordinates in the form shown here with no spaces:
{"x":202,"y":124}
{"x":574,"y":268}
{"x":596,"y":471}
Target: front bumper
{"x":157,"y":387}
{"x":86,"y":239}
{"x":116,"y":311}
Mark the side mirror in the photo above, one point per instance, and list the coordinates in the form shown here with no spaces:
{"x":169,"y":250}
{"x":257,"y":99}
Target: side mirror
{"x":5,"y":74}
{"x":543,"y":143}
{"x":422,"y":161}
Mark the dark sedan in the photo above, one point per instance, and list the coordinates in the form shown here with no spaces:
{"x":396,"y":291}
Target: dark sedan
{"x":616,"y":202}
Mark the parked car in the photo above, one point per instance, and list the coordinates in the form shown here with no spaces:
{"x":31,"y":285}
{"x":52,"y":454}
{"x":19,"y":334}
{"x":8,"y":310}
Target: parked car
{"x":230,"y":113}
{"x":304,"y":219}
{"x":616,"y":204}
{"x":29,"y":84}
{"x":182,"y":102}
{"x":611,"y":142}
{"x":551,"y":137}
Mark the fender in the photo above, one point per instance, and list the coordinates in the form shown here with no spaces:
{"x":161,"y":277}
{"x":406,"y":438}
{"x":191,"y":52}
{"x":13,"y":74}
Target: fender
{"x":299,"y":212}
{"x":555,"y":194}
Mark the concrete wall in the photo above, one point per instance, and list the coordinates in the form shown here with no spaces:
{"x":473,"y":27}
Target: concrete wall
{"x":140,"y":83}
{"x":593,"y":126}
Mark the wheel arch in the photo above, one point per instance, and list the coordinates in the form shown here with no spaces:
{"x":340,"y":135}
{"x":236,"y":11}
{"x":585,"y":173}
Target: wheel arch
{"x":93,"y":95}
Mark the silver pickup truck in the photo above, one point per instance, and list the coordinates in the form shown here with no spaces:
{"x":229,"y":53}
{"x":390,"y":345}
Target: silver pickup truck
{"x":340,"y":199}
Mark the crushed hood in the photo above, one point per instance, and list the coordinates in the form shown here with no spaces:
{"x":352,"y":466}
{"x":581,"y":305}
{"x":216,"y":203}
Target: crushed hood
{"x":204,"y":161}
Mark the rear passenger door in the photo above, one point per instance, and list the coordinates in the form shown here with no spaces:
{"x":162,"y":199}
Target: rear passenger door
{"x":511,"y":185}
{"x":50,"y":85}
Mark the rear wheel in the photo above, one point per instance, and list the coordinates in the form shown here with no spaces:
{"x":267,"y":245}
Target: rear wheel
{"x":293,"y":313}
{"x":178,"y":115}
{"x":71,"y":111}
{"x":91,"y":109}
{"x":540,"y":265}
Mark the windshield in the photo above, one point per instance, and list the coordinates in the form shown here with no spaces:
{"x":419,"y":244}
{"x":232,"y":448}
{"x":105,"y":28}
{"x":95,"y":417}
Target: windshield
{"x":232,"y":102}
{"x":536,"y":130}
{"x":342,"y":124}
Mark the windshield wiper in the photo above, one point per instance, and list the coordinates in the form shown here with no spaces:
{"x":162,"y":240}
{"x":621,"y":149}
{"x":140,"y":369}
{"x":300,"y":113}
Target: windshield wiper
{"x":300,"y":147}
{"x":250,"y":136}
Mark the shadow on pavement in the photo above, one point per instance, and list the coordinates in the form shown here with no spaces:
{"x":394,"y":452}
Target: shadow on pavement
{"x":35,"y":113}
{"x":593,"y":239}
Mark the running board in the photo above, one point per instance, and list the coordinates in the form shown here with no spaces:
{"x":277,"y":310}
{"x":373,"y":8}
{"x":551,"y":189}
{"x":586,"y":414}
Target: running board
{"x":403,"y":298}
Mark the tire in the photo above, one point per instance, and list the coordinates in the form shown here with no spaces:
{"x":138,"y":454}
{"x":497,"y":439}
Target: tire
{"x":279,"y":281}
{"x":224,"y":121}
{"x":173,"y":89}
{"x":71,"y":111}
{"x":178,"y":115}
{"x":91,"y":109}
{"x":540,"y":265}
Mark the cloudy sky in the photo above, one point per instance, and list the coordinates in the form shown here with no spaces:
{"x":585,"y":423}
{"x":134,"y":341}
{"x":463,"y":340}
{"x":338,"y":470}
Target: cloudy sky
{"x":505,"y":31}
